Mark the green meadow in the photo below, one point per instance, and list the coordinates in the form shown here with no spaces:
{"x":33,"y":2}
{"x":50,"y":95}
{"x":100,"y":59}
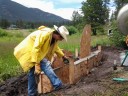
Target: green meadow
{"x":10,"y":67}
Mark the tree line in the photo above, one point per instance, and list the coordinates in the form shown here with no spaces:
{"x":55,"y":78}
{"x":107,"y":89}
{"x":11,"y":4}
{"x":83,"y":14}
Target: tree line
{"x":97,"y":14}
{"x":93,"y":12}
{"x":4,"y":23}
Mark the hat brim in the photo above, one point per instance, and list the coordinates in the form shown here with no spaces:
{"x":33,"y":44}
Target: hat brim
{"x":57,"y":29}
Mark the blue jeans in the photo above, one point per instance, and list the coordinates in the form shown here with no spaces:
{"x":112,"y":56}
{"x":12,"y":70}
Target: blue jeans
{"x":47,"y":69}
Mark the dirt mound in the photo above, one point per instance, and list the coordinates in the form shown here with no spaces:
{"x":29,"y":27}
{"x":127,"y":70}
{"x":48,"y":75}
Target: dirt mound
{"x":16,"y":86}
{"x":98,"y":83}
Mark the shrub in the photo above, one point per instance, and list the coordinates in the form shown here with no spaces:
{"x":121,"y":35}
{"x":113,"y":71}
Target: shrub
{"x":72,"y":30}
{"x":31,"y":30}
{"x":100,"y":30}
{"x":3,"y":33}
{"x":19,"y":34}
{"x":117,"y":38}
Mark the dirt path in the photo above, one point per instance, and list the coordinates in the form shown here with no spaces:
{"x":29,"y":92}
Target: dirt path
{"x":98,"y":83}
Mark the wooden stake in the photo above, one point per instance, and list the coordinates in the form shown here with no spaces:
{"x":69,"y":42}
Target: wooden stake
{"x":99,"y":48}
{"x":76,"y":53}
{"x":71,"y":71}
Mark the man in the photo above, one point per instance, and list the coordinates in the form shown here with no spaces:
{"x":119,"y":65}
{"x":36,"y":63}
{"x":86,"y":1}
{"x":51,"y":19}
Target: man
{"x":35,"y":52}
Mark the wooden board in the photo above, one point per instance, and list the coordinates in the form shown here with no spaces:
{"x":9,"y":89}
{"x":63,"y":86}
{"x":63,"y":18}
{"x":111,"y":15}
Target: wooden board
{"x":58,"y":62}
{"x":44,"y":84}
{"x":63,"y":73}
{"x":85,"y":42}
{"x":71,"y":73}
{"x":90,"y":63}
{"x":80,"y":70}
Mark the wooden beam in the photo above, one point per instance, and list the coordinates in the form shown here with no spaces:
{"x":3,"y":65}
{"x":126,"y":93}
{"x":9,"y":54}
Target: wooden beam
{"x":85,"y":42}
{"x":44,"y":84}
{"x":63,"y":73}
{"x":71,"y":71}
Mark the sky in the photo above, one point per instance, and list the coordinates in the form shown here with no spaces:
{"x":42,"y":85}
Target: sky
{"x":63,"y":8}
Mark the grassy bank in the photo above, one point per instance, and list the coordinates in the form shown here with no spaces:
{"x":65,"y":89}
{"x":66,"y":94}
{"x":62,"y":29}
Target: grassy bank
{"x":9,"y":66}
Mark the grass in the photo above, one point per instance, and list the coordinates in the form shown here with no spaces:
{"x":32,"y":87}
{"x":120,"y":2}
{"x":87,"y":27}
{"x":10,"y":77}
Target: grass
{"x":100,"y":40}
{"x":9,"y":66}
{"x":72,"y":43}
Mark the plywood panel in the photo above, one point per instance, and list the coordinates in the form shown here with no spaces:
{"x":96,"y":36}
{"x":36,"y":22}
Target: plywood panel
{"x":77,"y":73}
{"x":58,"y":62}
{"x":90,"y":64}
{"x":80,"y":70}
{"x":99,"y":57}
{"x":63,"y":73}
{"x":84,"y":68}
{"x":44,"y":84}
{"x":85,"y":42}
{"x":71,"y":73}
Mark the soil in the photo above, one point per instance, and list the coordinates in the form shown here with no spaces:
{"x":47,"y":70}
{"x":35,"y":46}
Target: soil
{"x":98,"y":83}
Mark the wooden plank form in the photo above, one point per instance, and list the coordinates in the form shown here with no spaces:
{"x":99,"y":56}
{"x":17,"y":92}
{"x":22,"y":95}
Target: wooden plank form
{"x":44,"y":84}
{"x":76,"y":69}
{"x":71,"y":73}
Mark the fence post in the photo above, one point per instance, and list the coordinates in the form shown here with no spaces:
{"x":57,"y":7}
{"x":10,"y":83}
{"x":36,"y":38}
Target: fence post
{"x":71,"y":71}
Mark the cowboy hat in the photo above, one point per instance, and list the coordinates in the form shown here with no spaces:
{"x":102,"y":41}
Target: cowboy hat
{"x":62,"y":31}
{"x":122,"y":20}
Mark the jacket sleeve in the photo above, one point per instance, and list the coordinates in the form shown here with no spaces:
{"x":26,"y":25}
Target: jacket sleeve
{"x":39,"y":41}
{"x":59,"y":52}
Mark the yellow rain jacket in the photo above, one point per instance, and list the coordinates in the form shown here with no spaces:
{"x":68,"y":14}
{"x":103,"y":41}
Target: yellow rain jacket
{"x":35,"y":47}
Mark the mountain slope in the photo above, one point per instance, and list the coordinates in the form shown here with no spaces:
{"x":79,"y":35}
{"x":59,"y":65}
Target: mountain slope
{"x":13,"y":11}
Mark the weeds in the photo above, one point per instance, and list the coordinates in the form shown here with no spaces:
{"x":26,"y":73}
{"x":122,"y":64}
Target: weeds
{"x":8,"y":64}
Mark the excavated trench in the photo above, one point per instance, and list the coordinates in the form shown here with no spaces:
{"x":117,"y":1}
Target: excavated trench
{"x":97,"y":82}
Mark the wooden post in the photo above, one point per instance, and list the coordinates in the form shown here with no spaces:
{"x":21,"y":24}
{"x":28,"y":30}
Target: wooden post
{"x":44,"y":84}
{"x":76,"y":53}
{"x":40,"y":84}
{"x":99,"y":48}
{"x":71,"y":71}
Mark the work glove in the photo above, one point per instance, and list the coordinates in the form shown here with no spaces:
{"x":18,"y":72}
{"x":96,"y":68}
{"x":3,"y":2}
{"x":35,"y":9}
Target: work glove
{"x":37,"y":69}
{"x":65,"y":60}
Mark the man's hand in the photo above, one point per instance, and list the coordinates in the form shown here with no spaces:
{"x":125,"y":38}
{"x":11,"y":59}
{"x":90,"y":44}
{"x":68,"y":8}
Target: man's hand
{"x":65,"y":59}
{"x":37,"y":69}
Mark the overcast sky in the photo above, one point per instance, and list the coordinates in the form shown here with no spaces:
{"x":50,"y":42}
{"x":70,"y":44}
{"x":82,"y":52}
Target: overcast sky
{"x":63,"y":8}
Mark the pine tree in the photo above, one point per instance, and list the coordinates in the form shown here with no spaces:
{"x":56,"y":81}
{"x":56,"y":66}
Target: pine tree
{"x":76,"y":18}
{"x":95,"y":12}
{"x":4,"y":23}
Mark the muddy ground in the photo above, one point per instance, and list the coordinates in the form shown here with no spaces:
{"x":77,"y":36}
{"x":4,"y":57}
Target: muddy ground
{"x":98,"y":83}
